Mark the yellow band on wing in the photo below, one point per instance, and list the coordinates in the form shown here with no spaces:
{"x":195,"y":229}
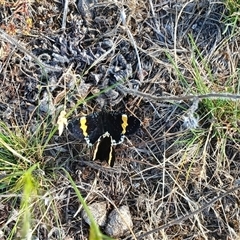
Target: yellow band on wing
{"x":83,"y":126}
{"x":124,"y":123}
{"x":111,"y":156}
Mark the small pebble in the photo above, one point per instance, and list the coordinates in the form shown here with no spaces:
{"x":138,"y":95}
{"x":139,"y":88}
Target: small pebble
{"x":119,"y":222}
{"x":99,"y":212}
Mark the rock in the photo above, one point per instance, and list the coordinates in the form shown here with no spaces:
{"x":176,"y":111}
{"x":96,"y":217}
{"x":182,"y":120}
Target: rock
{"x":119,"y":222}
{"x":99,"y":212}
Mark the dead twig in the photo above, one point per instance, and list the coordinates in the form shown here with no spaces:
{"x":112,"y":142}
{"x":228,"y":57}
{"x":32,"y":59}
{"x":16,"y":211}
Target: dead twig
{"x":227,"y":96}
{"x":65,"y":11}
{"x":177,"y":221}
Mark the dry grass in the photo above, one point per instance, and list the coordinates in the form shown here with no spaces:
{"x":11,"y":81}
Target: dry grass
{"x":186,"y":153}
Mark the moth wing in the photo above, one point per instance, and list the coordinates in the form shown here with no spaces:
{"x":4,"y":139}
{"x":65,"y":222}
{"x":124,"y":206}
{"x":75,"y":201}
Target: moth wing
{"x":104,"y":150}
{"x":88,"y":127}
{"x":133,"y":125}
{"x":115,"y":126}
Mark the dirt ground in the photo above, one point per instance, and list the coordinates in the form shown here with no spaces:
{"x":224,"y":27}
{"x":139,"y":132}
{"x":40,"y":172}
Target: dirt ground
{"x":84,"y":56}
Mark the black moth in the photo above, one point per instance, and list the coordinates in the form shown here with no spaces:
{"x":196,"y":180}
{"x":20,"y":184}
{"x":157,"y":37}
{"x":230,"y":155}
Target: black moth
{"x":103,"y":130}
